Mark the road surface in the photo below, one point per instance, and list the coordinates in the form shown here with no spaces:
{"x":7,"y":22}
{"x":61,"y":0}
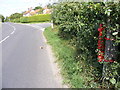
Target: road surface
{"x":24,"y":63}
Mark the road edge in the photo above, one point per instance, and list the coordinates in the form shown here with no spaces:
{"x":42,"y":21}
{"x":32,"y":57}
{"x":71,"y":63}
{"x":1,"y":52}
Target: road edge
{"x":54,"y":64}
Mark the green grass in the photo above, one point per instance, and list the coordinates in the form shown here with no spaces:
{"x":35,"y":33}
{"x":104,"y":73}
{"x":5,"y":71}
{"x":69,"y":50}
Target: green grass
{"x":37,"y":22}
{"x":40,"y":18}
{"x":36,"y":18}
{"x":32,"y":22}
{"x":70,"y":67}
{"x":76,"y":72}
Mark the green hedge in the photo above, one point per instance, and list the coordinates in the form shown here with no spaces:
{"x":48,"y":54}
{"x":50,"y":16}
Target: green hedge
{"x":36,"y":18}
{"x":24,"y":19}
{"x":78,"y":23}
{"x":16,"y":20}
{"x":2,"y":18}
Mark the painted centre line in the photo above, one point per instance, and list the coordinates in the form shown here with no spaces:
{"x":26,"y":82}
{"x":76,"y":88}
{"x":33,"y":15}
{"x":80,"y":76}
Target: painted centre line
{"x":10,"y":33}
{"x":4,"y":39}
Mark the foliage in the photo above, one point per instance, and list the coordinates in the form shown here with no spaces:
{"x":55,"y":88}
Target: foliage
{"x":38,"y":7}
{"x":15,"y":15}
{"x":49,"y":6}
{"x":6,"y":19}
{"x":36,"y":18}
{"x":65,"y":57}
{"x":78,"y":23}
{"x":17,"y":20}
{"x":24,"y":19}
{"x":2,"y":18}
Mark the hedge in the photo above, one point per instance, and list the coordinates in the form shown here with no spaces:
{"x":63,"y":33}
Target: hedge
{"x":36,"y":18}
{"x":16,"y":20}
{"x":78,"y":23}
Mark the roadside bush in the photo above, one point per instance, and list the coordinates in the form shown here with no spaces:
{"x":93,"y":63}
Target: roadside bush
{"x":16,"y":20}
{"x":36,"y":18}
{"x":2,"y":18}
{"x":24,"y":19}
{"x":39,"y":18}
{"x":78,"y":23}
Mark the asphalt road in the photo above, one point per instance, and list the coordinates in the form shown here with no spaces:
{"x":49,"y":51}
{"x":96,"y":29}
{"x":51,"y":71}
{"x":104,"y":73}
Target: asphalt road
{"x":24,"y":63}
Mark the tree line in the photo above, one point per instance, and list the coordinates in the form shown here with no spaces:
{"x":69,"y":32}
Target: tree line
{"x":19,"y":15}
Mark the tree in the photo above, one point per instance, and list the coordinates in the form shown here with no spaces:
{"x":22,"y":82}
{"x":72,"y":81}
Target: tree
{"x":38,"y":7}
{"x":15,"y":15}
{"x":40,"y":11}
{"x":49,"y":6}
{"x":6,"y":19}
{"x":2,"y":17}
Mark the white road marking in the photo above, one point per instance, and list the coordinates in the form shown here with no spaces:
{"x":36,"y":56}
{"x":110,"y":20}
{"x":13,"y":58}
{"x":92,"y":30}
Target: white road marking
{"x":12,"y":27}
{"x":4,"y":39}
{"x":10,"y":33}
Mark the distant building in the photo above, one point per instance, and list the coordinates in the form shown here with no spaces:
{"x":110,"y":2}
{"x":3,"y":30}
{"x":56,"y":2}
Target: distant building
{"x":47,"y":11}
{"x":31,"y":12}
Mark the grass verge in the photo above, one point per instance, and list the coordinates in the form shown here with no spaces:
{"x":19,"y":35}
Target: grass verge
{"x":76,"y":72}
{"x":32,"y":22}
{"x":37,"y":22}
{"x":64,"y":53}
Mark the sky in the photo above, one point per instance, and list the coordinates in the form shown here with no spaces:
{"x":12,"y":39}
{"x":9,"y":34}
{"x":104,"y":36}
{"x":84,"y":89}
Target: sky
{"x":7,"y":7}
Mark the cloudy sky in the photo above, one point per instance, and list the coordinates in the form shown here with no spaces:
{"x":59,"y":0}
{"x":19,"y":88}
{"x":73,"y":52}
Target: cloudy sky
{"x":7,"y":7}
